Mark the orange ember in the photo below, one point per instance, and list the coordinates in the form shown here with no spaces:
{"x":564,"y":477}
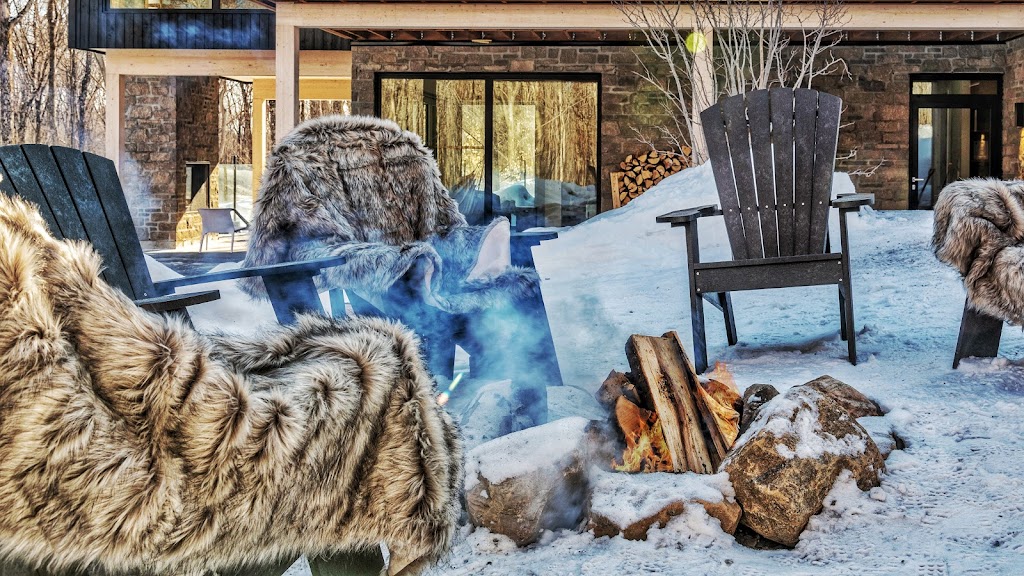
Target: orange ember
{"x":646,"y":450}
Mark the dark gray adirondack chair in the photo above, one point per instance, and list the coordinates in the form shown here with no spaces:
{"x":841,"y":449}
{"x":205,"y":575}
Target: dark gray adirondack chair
{"x":772,"y":153}
{"x":80,"y":197}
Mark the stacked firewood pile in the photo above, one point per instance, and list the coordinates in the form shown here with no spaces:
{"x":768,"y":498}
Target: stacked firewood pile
{"x":670,"y":421}
{"x":642,"y":171}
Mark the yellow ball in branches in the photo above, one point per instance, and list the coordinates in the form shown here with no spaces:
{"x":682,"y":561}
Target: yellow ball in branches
{"x":696,"y":42}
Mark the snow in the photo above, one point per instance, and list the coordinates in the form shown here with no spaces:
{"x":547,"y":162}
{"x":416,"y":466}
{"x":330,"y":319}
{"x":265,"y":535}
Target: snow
{"x":523,"y":452}
{"x":628,"y":498}
{"x":951,"y":502}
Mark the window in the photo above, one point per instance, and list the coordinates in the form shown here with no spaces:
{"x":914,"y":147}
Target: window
{"x":525,"y":147}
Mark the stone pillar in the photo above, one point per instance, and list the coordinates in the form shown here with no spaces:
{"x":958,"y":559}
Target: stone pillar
{"x":168,"y":121}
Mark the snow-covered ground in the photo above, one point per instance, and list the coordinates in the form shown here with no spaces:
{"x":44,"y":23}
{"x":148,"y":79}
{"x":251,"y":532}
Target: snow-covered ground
{"x":952,"y":502}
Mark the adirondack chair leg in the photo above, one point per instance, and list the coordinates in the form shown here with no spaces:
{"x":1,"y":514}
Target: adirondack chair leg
{"x":291,"y":294}
{"x":842,"y":314}
{"x":979,"y":335}
{"x":725,"y":299}
{"x":846,"y":291}
{"x":337,"y":296}
{"x":700,"y":347}
{"x":369,"y":563}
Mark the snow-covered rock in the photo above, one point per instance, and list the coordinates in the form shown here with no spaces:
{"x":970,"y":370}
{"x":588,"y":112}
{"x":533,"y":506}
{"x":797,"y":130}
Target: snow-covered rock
{"x":755,"y":396}
{"x":785,"y":464}
{"x":630,"y":504}
{"x":529,"y":481}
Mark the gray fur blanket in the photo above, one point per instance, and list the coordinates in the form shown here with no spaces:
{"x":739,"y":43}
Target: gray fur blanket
{"x":979,"y":230}
{"x":364,"y":188}
{"x":131,"y":443}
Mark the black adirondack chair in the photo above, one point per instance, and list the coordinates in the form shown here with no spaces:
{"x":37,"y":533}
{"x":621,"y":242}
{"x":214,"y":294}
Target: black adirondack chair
{"x":80,"y":197}
{"x":772,"y":153}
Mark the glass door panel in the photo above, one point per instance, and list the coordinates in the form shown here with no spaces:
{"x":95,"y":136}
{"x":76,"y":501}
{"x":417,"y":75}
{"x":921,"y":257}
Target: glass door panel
{"x":449,"y":117}
{"x":952,"y":144}
{"x":545,"y":151}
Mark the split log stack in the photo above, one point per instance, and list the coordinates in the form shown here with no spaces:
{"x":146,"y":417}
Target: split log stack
{"x":670,"y":420}
{"x":642,"y":171}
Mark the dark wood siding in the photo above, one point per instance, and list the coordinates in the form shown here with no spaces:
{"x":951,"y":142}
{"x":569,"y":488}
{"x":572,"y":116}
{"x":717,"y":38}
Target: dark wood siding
{"x":93,"y":25}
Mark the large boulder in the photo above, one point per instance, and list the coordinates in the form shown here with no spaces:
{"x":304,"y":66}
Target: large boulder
{"x":530,"y":481}
{"x":784,"y":466}
{"x":631,"y":504}
{"x":856,"y":404}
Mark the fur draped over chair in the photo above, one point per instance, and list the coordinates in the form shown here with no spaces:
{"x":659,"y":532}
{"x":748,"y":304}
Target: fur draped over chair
{"x":364,"y":188}
{"x":979,"y":230}
{"x":131,"y":443}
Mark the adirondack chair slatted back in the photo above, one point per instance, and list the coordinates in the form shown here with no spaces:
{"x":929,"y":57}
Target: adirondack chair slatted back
{"x":80,"y":197}
{"x":773,"y":153}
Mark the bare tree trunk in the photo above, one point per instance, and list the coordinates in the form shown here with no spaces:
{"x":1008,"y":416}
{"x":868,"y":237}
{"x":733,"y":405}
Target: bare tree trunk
{"x":51,"y":71}
{"x":83,"y":99}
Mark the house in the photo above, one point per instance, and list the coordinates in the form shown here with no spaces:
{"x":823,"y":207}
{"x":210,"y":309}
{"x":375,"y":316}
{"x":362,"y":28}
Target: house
{"x":532,"y":103}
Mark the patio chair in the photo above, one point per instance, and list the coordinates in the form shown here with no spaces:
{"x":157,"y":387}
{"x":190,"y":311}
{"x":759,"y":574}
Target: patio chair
{"x":364,"y":188}
{"x":79,"y":196}
{"x":772,"y":153}
{"x":220,"y":221}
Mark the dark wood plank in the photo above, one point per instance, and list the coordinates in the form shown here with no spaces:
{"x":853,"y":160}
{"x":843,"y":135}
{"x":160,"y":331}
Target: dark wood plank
{"x":37,"y":165}
{"x":75,"y":173}
{"x":111,"y":195}
{"x":306,"y":267}
{"x":979,"y":335}
{"x":781,"y":103}
{"x":782,"y":272}
{"x":759,"y":116}
{"x":806,"y":111}
{"x":177,"y":301}
{"x":718,"y":151}
{"x":735,"y":114}
{"x":24,"y":185}
{"x":826,"y":137}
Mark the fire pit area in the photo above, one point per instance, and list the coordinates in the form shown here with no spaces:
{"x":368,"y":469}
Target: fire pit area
{"x":759,"y":464}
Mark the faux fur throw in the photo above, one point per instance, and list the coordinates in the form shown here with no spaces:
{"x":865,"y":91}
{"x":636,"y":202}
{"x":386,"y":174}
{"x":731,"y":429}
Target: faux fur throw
{"x":364,"y":188}
{"x":129,"y":442}
{"x":979,"y":230}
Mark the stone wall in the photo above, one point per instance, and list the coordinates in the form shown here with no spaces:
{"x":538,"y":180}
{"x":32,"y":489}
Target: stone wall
{"x":167,"y":122}
{"x":625,"y":100}
{"x":876,"y":100}
{"x":1013,"y":91}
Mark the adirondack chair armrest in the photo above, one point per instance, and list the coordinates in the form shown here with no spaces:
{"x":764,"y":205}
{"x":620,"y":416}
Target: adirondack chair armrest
{"x":687,"y":215}
{"x":173,"y":302}
{"x":308,"y":268}
{"x":853,"y":201}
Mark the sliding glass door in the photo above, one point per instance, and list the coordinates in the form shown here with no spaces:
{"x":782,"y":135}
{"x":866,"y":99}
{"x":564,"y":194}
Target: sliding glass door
{"x":522,"y":147}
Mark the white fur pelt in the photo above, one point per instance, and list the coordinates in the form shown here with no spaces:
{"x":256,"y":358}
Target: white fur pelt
{"x":364,"y":188}
{"x":979,"y":230}
{"x":131,"y":443}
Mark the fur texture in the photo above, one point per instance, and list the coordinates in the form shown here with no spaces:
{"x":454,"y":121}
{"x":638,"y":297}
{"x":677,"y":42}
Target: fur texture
{"x":979,"y":230}
{"x":364,"y":188}
{"x":130,"y":442}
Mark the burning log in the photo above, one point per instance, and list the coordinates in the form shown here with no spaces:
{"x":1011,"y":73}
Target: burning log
{"x":642,"y":171}
{"x":670,"y":421}
{"x":665,"y":372}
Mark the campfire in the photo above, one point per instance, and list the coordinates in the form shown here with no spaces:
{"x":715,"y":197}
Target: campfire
{"x":670,"y":420}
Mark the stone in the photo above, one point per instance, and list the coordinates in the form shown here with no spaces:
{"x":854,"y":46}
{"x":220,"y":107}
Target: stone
{"x":785,"y":465}
{"x":855,"y":403}
{"x":631,"y":504}
{"x":529,"y":481}
{"x":754,"y":397}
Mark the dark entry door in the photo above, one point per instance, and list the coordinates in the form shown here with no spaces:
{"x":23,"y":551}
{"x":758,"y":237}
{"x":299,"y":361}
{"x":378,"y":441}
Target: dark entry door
{"x":955,"y":132}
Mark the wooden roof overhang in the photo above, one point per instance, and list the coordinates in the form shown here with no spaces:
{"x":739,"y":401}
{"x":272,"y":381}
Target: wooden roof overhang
{"x":601,"y":21}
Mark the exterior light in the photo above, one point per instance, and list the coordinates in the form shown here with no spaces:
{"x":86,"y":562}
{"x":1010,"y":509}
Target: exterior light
{"x":696,"y":42}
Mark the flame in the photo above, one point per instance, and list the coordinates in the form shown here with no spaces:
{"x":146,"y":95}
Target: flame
{"x":723,"y":398}
{"x":646,"y":450}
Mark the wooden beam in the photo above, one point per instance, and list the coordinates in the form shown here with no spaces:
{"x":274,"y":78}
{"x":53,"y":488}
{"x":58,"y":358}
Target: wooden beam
{"x":559,"y":16}
{"x":115,"y":117}
{"x":231,"y":63}
{"x":286,"y":107}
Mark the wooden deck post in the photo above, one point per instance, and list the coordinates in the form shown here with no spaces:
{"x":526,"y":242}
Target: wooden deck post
{"x":287,"y":75}
{"x":703,"y":84}
{"x":115,"y":115}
